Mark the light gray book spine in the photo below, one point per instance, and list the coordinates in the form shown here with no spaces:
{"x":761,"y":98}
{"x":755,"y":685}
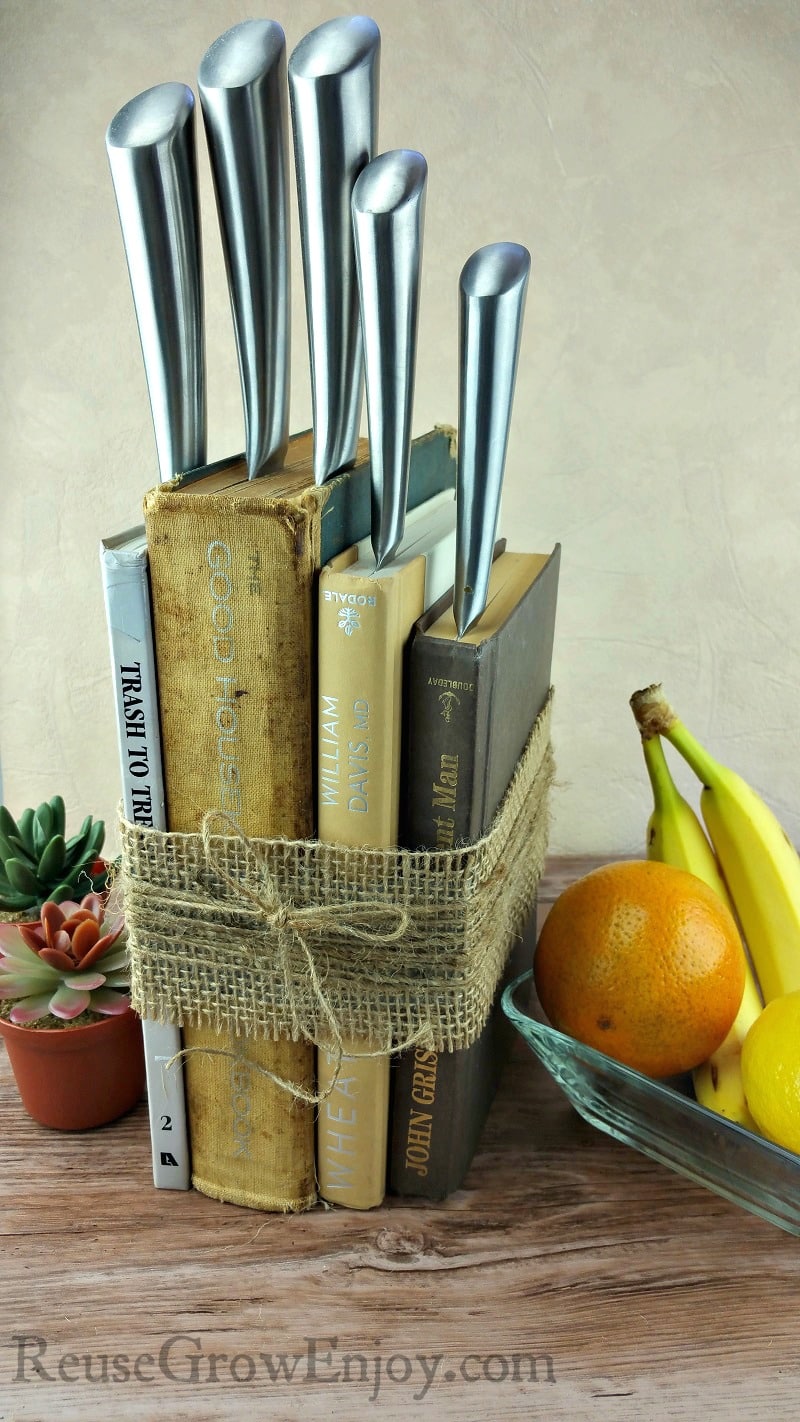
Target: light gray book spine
{"x":126,"y":589}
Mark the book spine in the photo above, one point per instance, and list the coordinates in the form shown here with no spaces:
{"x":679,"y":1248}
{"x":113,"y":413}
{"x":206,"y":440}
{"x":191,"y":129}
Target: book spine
{"x":126,"y":592}
{"x":363,"y":627}
{"x":233,"y":580}
{"x":447,"y":719}
{"x":471,"y":710}
{"x":445,"y":711}
{"x":232,"y":597}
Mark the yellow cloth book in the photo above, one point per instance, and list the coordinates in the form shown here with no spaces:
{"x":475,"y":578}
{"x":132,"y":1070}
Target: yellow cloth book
{"x":233,"y":566}
{"x":365,"y":618}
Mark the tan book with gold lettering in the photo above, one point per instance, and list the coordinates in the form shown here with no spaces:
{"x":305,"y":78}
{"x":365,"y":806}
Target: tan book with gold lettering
{"x":233,"y":567}
{"x":365,"y":618}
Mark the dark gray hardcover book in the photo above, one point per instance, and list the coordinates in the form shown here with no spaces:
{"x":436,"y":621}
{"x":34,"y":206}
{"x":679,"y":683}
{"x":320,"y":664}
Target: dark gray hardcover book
{"x":470,"y":707}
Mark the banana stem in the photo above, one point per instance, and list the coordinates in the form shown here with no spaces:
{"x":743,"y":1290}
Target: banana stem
{"x":705,"y":767}
{"x":655,"y":717}
{"x":664,"y":788}
{"x":653,"y":713}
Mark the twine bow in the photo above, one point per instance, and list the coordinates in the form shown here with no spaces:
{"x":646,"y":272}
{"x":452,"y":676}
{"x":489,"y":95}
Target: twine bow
{"x":287,"y":922}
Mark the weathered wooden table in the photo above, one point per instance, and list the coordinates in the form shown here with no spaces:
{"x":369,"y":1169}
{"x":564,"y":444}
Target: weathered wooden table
{"x":570,"y":1278}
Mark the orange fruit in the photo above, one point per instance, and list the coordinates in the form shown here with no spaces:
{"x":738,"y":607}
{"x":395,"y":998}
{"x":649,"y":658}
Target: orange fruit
{"x":644,"y":962}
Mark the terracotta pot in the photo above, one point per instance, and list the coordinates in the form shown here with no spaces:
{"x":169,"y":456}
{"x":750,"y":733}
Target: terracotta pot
{"x":72,"y":1078}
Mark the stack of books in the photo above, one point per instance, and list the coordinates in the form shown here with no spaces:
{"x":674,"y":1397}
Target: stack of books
{"x":219,"y":711}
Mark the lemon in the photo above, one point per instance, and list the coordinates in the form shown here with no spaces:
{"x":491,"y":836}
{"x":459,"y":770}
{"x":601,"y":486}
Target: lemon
{"x":771,"y":1071}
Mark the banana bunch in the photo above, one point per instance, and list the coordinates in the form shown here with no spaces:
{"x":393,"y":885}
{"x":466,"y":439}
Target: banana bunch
{"x":752,"y":865}
{"x":37,"y":863}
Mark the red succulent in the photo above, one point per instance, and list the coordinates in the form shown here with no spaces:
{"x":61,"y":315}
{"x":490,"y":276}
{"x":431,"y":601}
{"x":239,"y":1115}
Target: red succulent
{"x":70,"y":935}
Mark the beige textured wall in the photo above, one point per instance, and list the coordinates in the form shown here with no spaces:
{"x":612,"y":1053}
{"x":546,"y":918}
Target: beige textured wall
{"x":648,"y":155}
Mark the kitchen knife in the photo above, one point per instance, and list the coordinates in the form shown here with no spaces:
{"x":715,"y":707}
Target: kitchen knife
{"x":242,"y":85}
{"x":388,"y":217}
{"x":151,"y":150}
{"x":333,"y":88}
{"x":492,"y":292}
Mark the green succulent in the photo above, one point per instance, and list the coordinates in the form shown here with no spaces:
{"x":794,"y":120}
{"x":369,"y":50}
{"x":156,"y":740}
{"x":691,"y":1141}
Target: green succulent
{"x":37,"y":863}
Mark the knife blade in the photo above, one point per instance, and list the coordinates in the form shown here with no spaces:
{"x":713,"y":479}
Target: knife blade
{"x":388,"y":219}
{"x":492,"y":290}
{"x":333,"y":89}
{"x":151,"y":151}
{"x":243,"y":97}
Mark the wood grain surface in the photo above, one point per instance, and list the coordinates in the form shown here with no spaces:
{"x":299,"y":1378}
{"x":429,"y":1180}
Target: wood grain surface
{"x":571,"y":1278}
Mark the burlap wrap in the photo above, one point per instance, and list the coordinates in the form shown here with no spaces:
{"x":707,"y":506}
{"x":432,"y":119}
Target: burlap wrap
{"x":314,"y":941}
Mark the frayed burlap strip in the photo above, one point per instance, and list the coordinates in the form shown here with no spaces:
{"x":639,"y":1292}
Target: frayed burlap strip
{"x":270,"y":938}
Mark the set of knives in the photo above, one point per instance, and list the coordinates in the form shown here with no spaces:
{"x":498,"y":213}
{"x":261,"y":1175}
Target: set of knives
{"x":361,"y":218}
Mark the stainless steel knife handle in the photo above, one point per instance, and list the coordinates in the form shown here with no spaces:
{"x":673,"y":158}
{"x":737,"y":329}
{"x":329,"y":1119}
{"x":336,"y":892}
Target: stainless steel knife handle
{"x":492,"y":292}
{"x":151,"y":150}
{"x":243,"y":96}
{"x":333,"y":88}
{"x":388,"y":218}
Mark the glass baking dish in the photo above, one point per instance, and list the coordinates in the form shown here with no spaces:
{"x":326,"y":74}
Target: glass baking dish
{"x":662,"y":1123}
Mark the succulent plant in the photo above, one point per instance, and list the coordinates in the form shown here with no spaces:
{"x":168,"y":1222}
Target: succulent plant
{"x":68,"y":963}
{"x":38,"y":864}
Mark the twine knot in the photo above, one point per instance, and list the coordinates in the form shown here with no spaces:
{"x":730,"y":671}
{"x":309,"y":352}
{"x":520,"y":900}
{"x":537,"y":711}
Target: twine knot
{"x":279,"y":918}
{"x":287,"y":922}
